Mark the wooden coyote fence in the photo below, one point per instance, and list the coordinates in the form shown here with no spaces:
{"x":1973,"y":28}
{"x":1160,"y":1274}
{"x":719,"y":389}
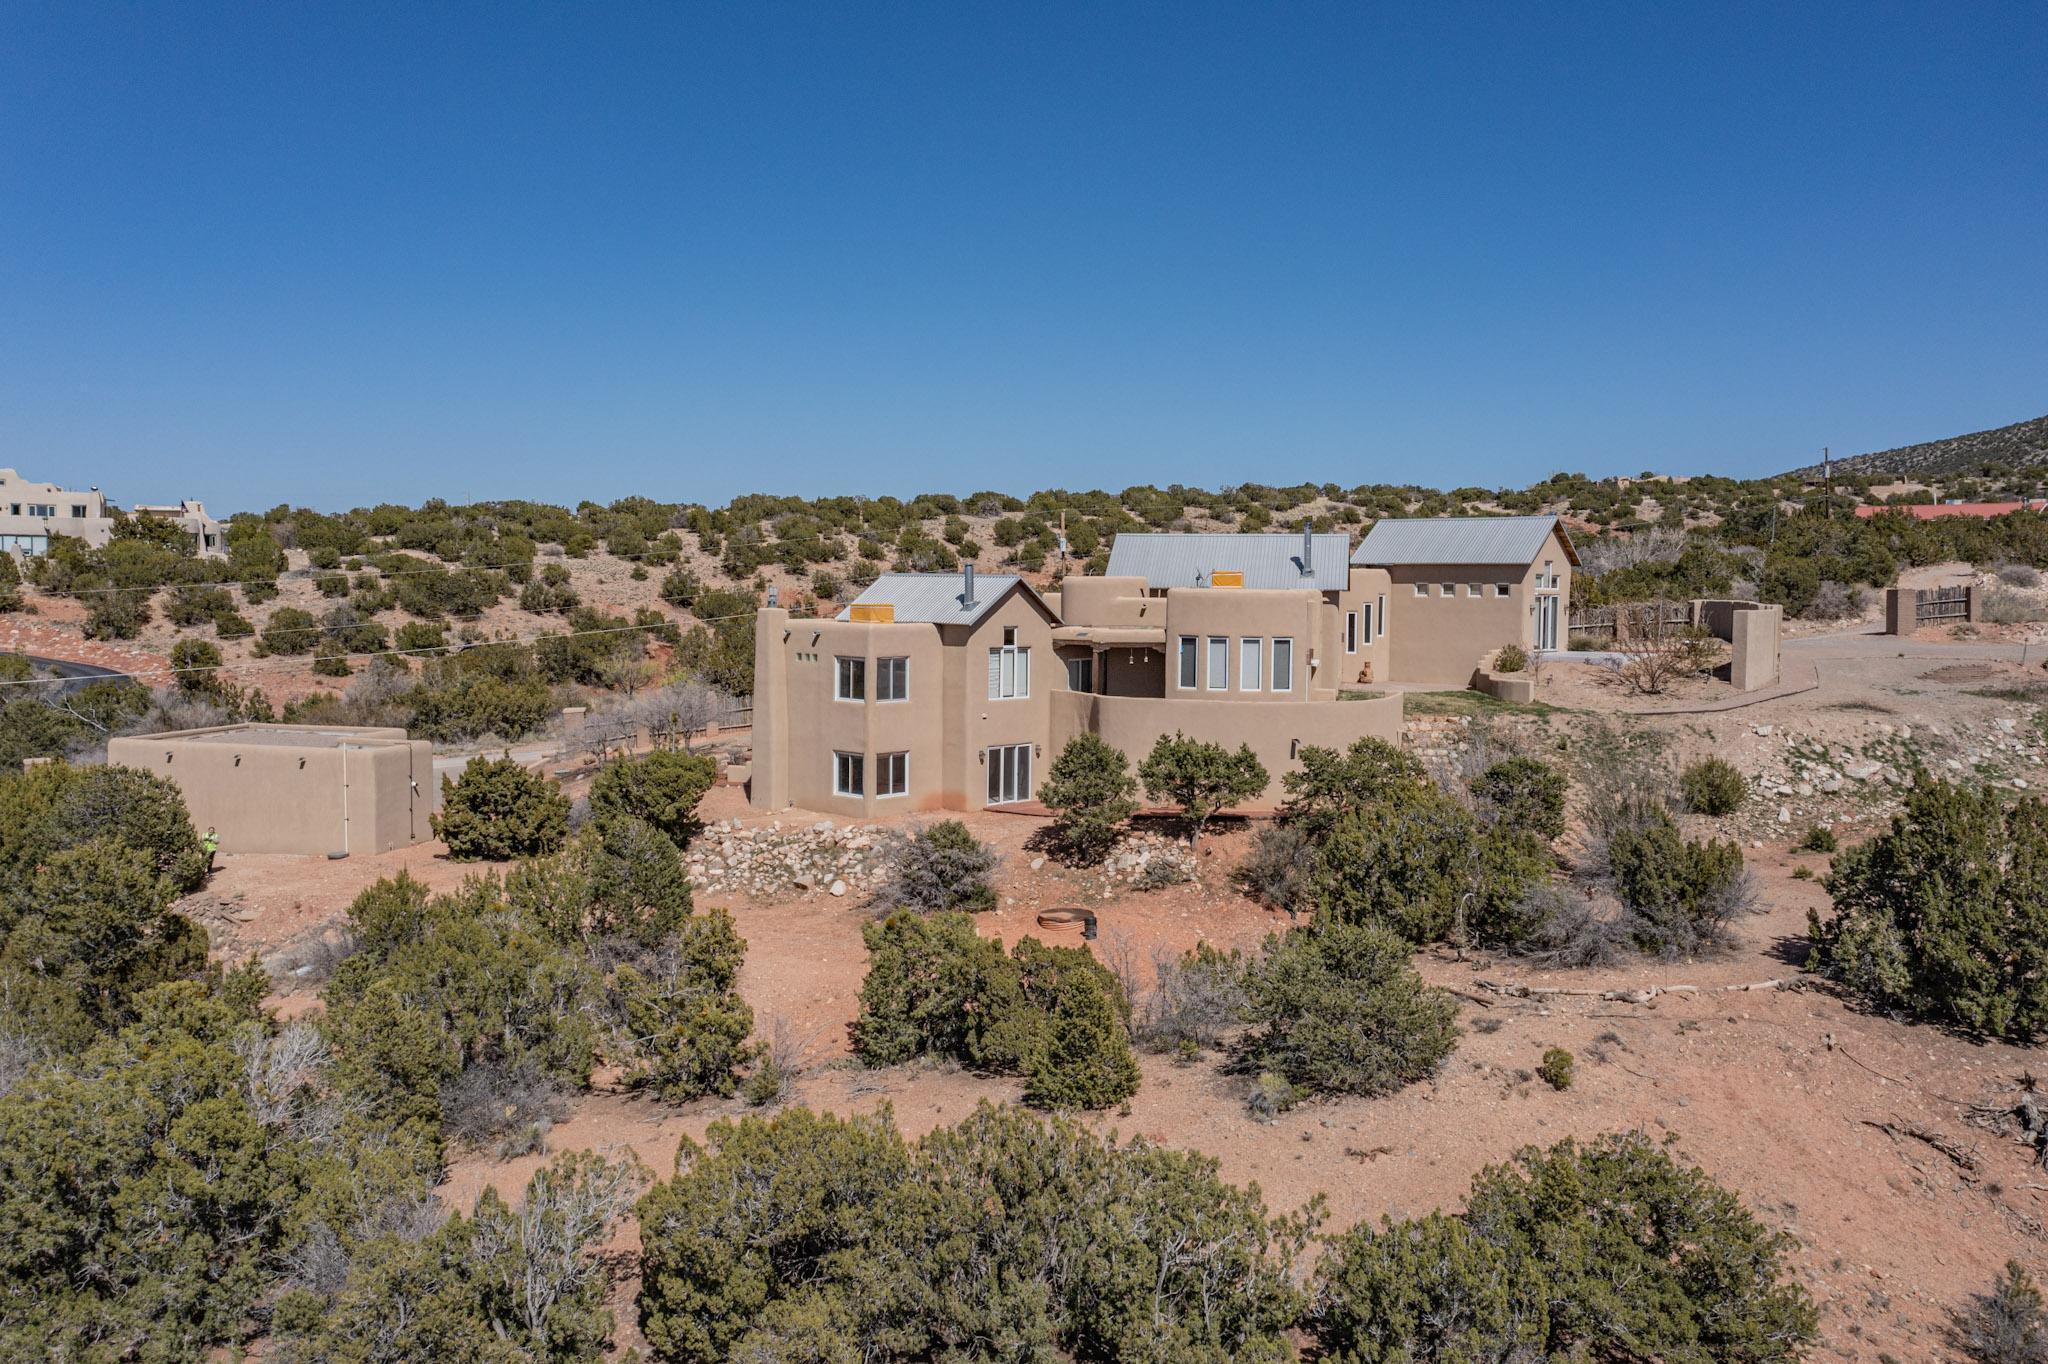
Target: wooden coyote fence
{"x":1907,"y":609}
{"x":1629,"y":620}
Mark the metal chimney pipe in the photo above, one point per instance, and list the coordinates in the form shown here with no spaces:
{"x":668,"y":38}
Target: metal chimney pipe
{"x":1308,"y":550}
{"x":967,"y":596}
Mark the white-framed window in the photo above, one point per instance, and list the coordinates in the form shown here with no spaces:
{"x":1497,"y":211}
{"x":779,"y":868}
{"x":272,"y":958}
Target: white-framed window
{"x":1422,"y":589}
{"x":1351,"y":631}
{"x":849,"y":772}
{"x":77,"y":511}
{"x":1382,"y":619}
{"x":1366,"y":612}
{"x":1251,"y":663}
{"x":1081,"y":674}
{"x":1503,"y":590}
{"x":1009,"y":671}
{"x":1188,"y":649}
{"x":892,"y":679}
{"x":1219,"y":664}
{"x":1450,"y":590}
{"x":1009,"y":773}
{"x":41,"y":509}
{"x":851,"y":683}
{"x":1475,"y":590}
{"x":1549,"y":578}
{"x":1283,"y":665}
{"x":892,"y":774}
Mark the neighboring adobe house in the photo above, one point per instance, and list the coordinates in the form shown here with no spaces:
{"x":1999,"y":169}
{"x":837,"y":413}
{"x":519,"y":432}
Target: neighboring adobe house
{"x":30,"y":513}
{"x":952,"y":691}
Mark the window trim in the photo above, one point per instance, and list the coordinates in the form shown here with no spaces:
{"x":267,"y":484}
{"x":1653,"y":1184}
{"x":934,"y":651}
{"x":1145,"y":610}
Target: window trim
{"x":1251,"y":663}
{"x":1382,"y":618}
{"x":1190,"y":675}
{"x":1351,"y":631}
{"x":1283,"y":646}
{"x":1015,"y":659}
{"x":859,"y":674}
{"x":842,"y":762}
{"x":1449,"y":590}
{"x":1422,"y":589}
{"x":1503,"y":590}
{"x":1365,"y":610}
{"x":1087,"y":667}
{"x":1213,"y":667}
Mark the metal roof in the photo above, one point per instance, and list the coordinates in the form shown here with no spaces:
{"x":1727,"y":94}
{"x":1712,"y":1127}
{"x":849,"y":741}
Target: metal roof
{"x":1460,"y":540}
{"x":1267,"y":560}
{"x":936,"y":598}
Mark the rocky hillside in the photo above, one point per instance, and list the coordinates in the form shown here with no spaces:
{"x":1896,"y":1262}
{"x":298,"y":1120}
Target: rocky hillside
{"x":2022,"y":443}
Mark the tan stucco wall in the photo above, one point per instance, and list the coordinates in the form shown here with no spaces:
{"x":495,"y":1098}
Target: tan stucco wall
{"x":1237,"y":614}
{"x":369,"y":795}
{"x":945,"y":724}
{"x":1368,"y":588}
{"x":1276,"y":731}
{"x":1117,"y":602}
{"x":1438,"y":640}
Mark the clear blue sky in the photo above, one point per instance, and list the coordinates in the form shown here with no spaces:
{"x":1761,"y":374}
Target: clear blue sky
{"x":359,"y":252}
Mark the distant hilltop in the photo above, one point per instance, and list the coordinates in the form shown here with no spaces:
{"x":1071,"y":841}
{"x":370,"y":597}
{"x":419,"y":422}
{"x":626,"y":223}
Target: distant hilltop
{"x":2020,"y":444}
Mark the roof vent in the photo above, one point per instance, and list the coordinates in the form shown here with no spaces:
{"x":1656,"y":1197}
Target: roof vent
{"x":967,"y":594}
{"x":1308,"y":550}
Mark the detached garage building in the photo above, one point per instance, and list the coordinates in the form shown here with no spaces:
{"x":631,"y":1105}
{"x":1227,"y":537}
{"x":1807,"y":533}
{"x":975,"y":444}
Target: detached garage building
{"x":305,"y":789}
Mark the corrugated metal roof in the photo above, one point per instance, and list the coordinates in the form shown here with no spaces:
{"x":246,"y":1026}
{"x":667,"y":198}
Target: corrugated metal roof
{"x":935,"y":598}
{"x":1163,"y":559}
{"x":1459,"y":540}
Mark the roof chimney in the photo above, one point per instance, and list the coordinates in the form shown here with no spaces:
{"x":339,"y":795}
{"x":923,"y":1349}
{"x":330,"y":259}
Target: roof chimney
{"x":1308,"y":550}
{"x":967,"y":596}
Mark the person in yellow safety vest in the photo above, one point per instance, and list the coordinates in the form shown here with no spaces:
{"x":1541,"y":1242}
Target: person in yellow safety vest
{"x":211,"y":842}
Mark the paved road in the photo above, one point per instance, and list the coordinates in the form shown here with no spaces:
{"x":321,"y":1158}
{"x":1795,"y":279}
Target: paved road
{"x":75,"y":675}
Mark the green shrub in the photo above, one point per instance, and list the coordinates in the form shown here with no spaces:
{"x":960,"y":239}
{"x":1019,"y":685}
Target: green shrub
{"x":2006,"y":1325}
{"x":941,"y":866}
{"x":1712,"y":786}
{"x":195,"y":665}
{"x":1091,"y":793}
{"x":663,"y":788}
{"x":689,"y":1025}
{"x":1940,"y":916}
{"x":1052,"y":1014}
{"x":1201,"y":778}
{"x":422,"y":637}
{"x":56,"y":806}
{"x":1556,"y":1070}
{"x":1337,"y":1009}
{"x":116,"y":614}
{"x":1819,"y":840}
{"x":1524,"y":793}
{"x":330,"y":659}
{"x":1606,"y":1251}
{"x":1512,"y":658}
{"x":288,"y":631}
{"x":1330,"y":782}
{"x":498,"y":811}
{"x":1681,"y":895}
{"x":1420,"y":862}
{"x":798,"y":1236}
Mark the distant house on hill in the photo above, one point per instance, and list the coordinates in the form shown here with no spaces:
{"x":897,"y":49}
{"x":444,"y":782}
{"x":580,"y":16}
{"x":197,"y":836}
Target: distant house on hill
{"x":1935,"y":511}
{"x":30,"y":513}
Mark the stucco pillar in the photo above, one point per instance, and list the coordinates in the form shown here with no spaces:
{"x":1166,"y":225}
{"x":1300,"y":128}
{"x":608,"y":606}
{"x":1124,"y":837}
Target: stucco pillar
{"x":768,"y":787}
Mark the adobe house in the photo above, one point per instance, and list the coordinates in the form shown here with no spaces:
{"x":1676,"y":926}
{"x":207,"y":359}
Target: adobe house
{"x":308,"y":789}
{"x":31,"y":513}
{"x":941,"y":691}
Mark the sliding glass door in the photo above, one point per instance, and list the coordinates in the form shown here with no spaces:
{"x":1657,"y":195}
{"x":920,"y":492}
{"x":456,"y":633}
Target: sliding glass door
{"x":1009,"y":774}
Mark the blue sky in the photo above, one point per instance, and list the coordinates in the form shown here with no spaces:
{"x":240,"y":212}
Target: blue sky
{"x":350,"y":253}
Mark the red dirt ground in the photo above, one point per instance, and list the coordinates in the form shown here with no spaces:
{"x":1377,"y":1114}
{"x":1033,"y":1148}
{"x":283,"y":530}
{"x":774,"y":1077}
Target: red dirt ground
{"x":1771,"y":1091}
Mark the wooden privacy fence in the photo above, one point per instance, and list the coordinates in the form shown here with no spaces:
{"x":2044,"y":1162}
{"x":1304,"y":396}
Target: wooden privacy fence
{"x":1629,"y":620}
{"x":1941,"y":603}
{"x":1907,"y":609}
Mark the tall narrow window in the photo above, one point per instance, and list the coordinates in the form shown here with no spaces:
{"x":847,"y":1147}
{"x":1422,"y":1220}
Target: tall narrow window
{"x":1283,"y":665}
{"x":892,"y":679}
{"x":1219,"y":664}
{"x":853,"y":679}
{"x":892,"y":774}
{"x":1009,"y":672}
{"x":1251,"y":664}
{"x":848,"y":769}
{"x":1366,"y":612}
{"x":1383,"y":613}
{"x":1187,"y":662}
{"x":1081,"y":674}
{"x":1351,"y":631}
